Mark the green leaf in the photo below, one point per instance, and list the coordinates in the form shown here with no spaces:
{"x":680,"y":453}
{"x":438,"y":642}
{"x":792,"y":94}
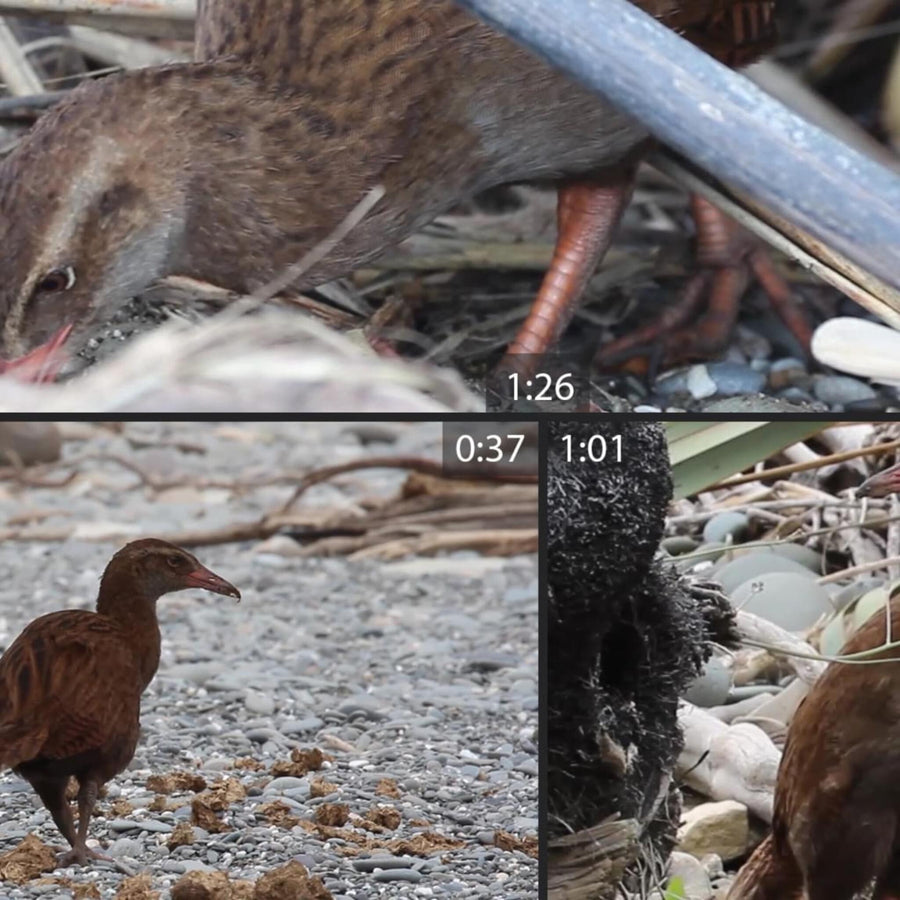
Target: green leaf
{"x":675,"y":889}
{"x":705,"y":453}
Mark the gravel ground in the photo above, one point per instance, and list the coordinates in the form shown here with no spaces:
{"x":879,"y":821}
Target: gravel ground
{"x":417,"y":679}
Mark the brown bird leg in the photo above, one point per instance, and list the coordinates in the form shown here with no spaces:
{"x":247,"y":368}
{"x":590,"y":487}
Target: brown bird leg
{"x":587,"y":214}
{"x":80,"y":852}
{"x":52,"y":792}
{"x":725,"y":250}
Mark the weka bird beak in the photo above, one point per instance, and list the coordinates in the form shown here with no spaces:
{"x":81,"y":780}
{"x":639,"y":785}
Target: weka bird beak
{"x":202,"y":578}
{"x":881,"y":484}
{"x":43,"y":363}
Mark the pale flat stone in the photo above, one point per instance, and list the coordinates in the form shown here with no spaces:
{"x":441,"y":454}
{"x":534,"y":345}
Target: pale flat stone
{"x":721,"y":828}
{"x":689,"y":870}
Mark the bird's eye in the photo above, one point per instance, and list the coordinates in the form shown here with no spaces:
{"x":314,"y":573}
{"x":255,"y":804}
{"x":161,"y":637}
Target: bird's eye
{"x":57,"y":280}
{"x":173,"y":561}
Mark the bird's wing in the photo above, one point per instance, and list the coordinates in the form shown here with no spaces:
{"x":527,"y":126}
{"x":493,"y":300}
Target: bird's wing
{"x":68,"y":684}
{"x":737,"y":32}
{"x":322,"y":39}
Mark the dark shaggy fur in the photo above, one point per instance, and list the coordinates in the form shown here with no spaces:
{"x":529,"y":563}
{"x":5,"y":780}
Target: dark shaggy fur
{"x":626,"y":636}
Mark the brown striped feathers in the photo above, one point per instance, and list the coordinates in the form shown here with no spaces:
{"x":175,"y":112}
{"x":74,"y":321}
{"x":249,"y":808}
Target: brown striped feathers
{"x":71,"y":682}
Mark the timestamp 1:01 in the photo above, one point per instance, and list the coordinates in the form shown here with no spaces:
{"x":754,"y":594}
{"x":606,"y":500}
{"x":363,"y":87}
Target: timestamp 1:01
{"x":595,"y":449}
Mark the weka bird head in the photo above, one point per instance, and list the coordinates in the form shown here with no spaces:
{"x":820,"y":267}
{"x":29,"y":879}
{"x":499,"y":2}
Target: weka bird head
{"x":144,"y":570}
{"x":881,"y":484}
{"x":92,"y":211}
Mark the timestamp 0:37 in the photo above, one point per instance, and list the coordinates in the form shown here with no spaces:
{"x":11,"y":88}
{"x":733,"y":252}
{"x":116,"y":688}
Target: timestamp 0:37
{"x":491,"y":449}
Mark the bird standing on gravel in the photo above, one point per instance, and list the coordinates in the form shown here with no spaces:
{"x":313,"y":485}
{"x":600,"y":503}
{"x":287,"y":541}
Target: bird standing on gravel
{"x":71,"y":682}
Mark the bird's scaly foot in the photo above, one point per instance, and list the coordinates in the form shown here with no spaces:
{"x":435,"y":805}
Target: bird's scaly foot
{"x":728,"y":258}
{"x":80,"y":856}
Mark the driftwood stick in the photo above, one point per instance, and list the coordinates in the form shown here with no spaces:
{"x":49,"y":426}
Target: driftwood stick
{"x":161,"y":18}
{"x":759,"y":629}
{"x":29,"y":106}
{"x":415,"y":463}
{"x":491,"y":542}
{"x":15,"y":70}
{"x":728,"y":762}
{"x":590,"y":863}
{"x":493,"y":515}
{"x":121,"y":50}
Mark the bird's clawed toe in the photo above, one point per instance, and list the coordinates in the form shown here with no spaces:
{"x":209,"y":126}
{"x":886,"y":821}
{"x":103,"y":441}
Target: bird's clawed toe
{"x":699,"y":324}
{"x":81,"y":856}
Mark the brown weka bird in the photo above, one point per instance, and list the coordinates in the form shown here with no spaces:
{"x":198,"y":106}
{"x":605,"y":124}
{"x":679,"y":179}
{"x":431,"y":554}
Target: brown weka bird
{"x":836,"y":822}
{"x":232,"y":168}
{"x":71,"y":682}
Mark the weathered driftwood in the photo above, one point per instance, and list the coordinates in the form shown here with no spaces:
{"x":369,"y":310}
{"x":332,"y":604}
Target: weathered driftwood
{"x":160,"y":18}
{"x":590,"y":863}
{"x":16,"y":72}
{"x":428,"y":515}
{"x":728,"y":762}
{"x":739,"y":761}
{"x":121,"y":50}
{"x":765,"y":632}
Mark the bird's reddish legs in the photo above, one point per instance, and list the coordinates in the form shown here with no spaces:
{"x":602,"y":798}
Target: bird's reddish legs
{"x":587,"y":215}
{"x":728,"y":256}
{"x":780,"y":297}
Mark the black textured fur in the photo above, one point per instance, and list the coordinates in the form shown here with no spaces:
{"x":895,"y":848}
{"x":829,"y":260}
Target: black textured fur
{"x":626,"y":636}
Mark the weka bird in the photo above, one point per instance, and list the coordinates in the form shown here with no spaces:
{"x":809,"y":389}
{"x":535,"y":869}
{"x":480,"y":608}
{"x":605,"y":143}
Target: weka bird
{"x":71,"y":682}
{"x":836,"y":823}
{"x":881,"y":484}
{"x":233,"y":167}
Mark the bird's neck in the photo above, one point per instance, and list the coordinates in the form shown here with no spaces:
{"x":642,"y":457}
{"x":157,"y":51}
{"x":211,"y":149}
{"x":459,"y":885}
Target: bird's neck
{"x":134,"y":613}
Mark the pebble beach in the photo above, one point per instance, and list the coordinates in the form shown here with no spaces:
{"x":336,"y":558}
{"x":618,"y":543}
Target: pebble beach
{"x":374,"y":721}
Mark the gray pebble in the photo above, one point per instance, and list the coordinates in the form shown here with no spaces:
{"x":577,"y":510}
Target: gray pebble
{"x":301,"y":726}
{"x":125,"y":847}
{"x":725,"y":525}
{"x":839,"y":390}
{"x":140,"y":825}
{"x":371,"y":863}
{"x":488,"y":661}
{"x":711,"y":686}
{"x":791,"y":600}
{"x":735,"y":572}
{"x":410,"y":875}
{"x":733,"y":379}
{"x":258,"y":703}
